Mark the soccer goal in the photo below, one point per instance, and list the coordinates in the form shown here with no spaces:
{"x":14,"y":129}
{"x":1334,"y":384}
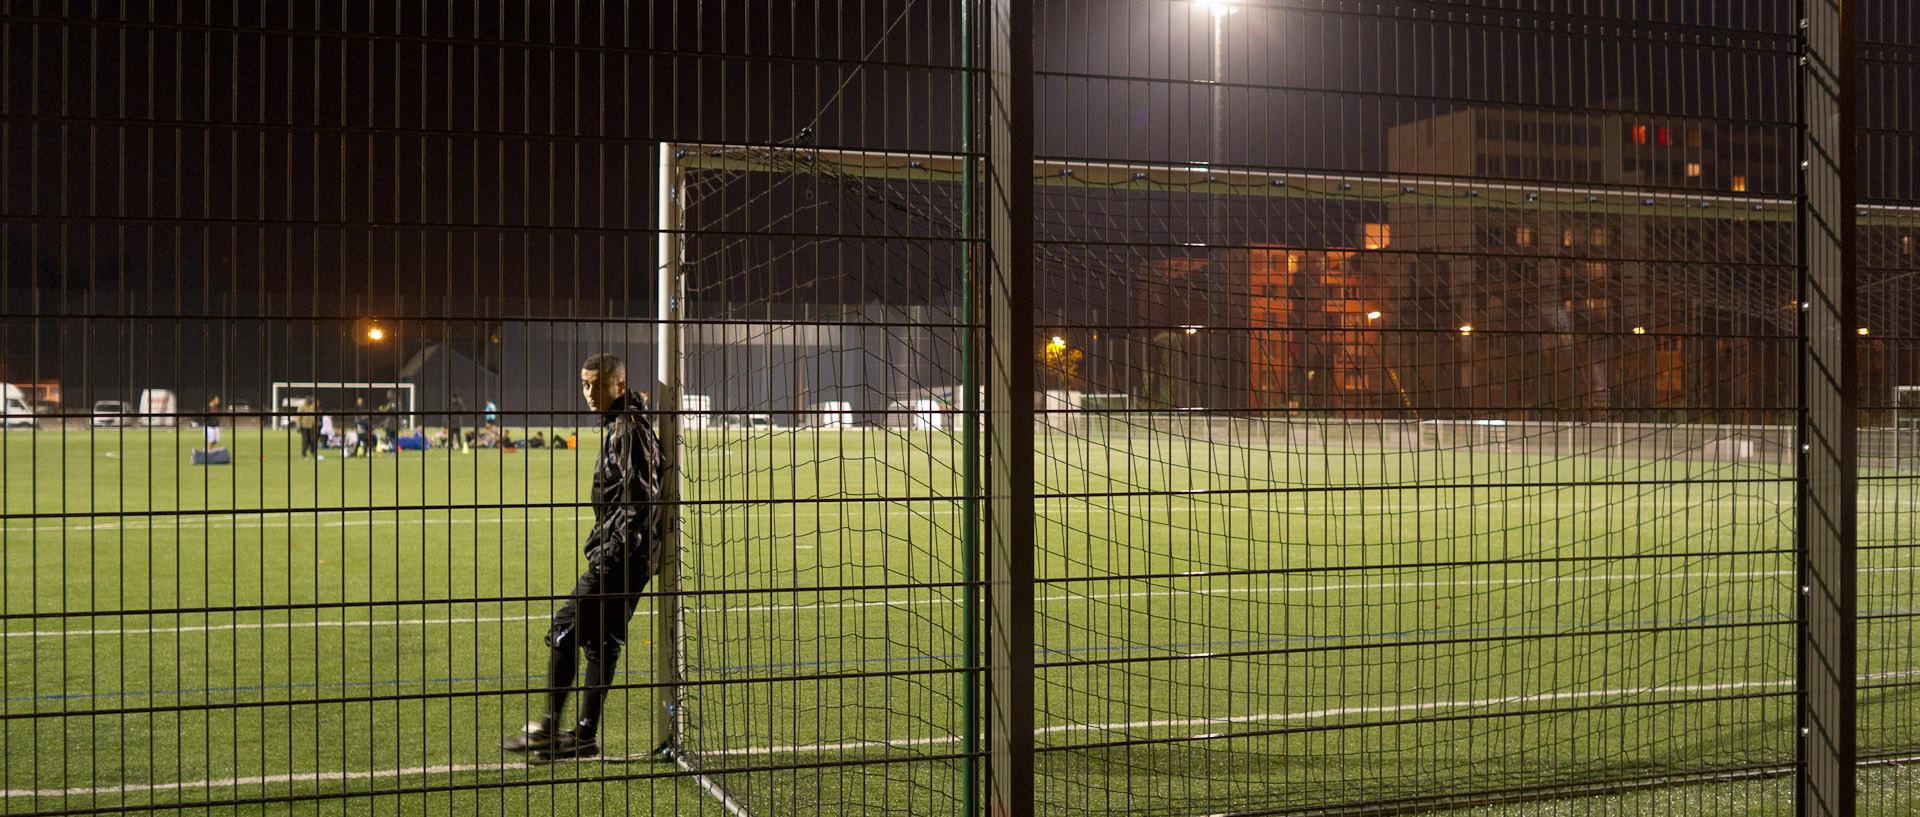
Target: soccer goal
{"x":338,"y":398}
{"x":1233,"y":434}
{"x":813,"y":302}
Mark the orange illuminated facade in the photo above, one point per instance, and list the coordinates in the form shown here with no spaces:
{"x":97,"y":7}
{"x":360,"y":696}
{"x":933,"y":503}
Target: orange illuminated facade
{"x":1315,"y":317}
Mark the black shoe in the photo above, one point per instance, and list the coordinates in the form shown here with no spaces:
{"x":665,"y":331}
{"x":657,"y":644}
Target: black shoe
{"x":534,"y":738}
{"x":565,"y":745}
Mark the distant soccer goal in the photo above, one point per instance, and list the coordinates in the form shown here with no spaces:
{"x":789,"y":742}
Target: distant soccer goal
{"x":1906,"y":408}
{"x":338,"y":399}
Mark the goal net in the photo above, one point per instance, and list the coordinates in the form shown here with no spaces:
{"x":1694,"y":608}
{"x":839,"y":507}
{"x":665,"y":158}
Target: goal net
{"x":822,"y":547}
{"x":1334,"y":472}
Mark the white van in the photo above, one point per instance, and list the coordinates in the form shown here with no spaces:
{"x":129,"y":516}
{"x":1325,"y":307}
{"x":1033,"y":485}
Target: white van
{"x":833,"y":414}
{"x":14,"y":408}
{"x":158,"y":407}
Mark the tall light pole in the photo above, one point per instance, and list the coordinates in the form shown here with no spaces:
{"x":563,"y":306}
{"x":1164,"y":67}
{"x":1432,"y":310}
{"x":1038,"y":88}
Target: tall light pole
{"x":1220,"y":10}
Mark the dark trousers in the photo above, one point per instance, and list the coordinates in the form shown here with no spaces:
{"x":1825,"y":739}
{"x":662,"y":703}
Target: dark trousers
{"x":592,"y":621}
{"x":309,"y":442}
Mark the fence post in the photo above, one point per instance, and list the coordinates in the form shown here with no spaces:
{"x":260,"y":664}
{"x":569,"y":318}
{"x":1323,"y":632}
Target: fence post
{"x":1009,"y":363}
{"x":1826,"y":475}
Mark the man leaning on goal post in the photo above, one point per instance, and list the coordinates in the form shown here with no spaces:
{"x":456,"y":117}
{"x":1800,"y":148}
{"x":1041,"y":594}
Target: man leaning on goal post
{"x":623,"y":551}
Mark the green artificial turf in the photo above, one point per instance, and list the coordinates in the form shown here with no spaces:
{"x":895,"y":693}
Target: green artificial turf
{"x":1223,"y":624}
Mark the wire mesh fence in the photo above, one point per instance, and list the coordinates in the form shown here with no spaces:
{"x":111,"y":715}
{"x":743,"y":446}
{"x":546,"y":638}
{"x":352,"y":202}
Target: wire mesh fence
{"x":1309,"y":407}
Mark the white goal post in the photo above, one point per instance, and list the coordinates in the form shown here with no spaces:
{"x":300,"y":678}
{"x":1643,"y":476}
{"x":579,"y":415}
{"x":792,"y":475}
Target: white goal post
{"x":283,"y":410}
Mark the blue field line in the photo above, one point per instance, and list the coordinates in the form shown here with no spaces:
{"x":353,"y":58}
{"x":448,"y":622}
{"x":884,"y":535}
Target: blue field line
{"x":955,"y":657}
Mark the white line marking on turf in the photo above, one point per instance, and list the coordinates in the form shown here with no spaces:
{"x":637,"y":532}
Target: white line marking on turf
{"x":303,"y":777}
{"x":235,"y":521}
{"x":929,"y":741}
{"x":1264,"y":718}
{"x":276,"y":625}
{"x":845,"y":605}
{"x":1302,"y":505}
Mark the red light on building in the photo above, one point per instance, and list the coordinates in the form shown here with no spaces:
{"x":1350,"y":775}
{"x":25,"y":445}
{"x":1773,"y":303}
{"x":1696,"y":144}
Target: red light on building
{"x":1666,"y":138}
{"x":1639,"y":134}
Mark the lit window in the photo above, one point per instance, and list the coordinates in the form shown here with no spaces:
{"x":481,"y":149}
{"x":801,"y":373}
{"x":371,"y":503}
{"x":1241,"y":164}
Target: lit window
{"x":1906,"y":245}
{"x":1693,"y":170}
{"x":1639,"y":134}
{"x":1665,"y":137}
{"x":1566,"y":237}
{"x":1739,"y":184}
{"x":1523,"y":236}
{"x":1598,"y":236}
{"x":1378,"y":236}
{"x":1693,"y":137}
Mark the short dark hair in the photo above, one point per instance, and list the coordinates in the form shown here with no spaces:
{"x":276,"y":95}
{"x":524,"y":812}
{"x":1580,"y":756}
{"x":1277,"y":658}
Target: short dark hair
{"x":605,"y":363}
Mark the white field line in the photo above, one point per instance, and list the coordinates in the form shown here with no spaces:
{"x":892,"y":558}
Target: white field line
{"x":275,"y":625}
{"x":1186,"y":723}
{"x":236,"y":521}
{"x":262,"y":780}
{"x":1265,"y":718}
{"x":847,"y":605}
{"x":1303,"y":505}
{"x":1313,"y":715}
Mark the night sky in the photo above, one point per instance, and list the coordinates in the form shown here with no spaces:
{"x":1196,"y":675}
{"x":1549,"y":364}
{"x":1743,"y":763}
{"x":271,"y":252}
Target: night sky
{"x":469,"y":159}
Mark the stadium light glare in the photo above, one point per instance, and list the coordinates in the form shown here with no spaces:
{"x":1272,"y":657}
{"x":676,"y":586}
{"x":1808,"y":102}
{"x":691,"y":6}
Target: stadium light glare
{"x":1862,"y":330}
{"x":1193,"y":330}
{"x":1374,"y":315}
{"x":1639,"y":330}
{"x":1221,"y":8}
{"x":375,"y":333}
{"x":1058,"y":342}
{"x":1466,"y":329}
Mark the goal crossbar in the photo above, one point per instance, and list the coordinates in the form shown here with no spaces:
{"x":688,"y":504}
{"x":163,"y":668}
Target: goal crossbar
{"x":288,"y":385}
{"x":1266,"y":182}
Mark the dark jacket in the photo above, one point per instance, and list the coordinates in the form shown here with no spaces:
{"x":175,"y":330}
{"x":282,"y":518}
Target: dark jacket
{"x":629,"y":484}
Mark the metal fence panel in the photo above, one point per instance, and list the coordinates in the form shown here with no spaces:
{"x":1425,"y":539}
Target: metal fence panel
{"x":1144,"y":406}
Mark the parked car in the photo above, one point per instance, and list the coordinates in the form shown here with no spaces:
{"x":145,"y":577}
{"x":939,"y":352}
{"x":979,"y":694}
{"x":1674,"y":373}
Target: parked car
{"x":111,"y":414}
